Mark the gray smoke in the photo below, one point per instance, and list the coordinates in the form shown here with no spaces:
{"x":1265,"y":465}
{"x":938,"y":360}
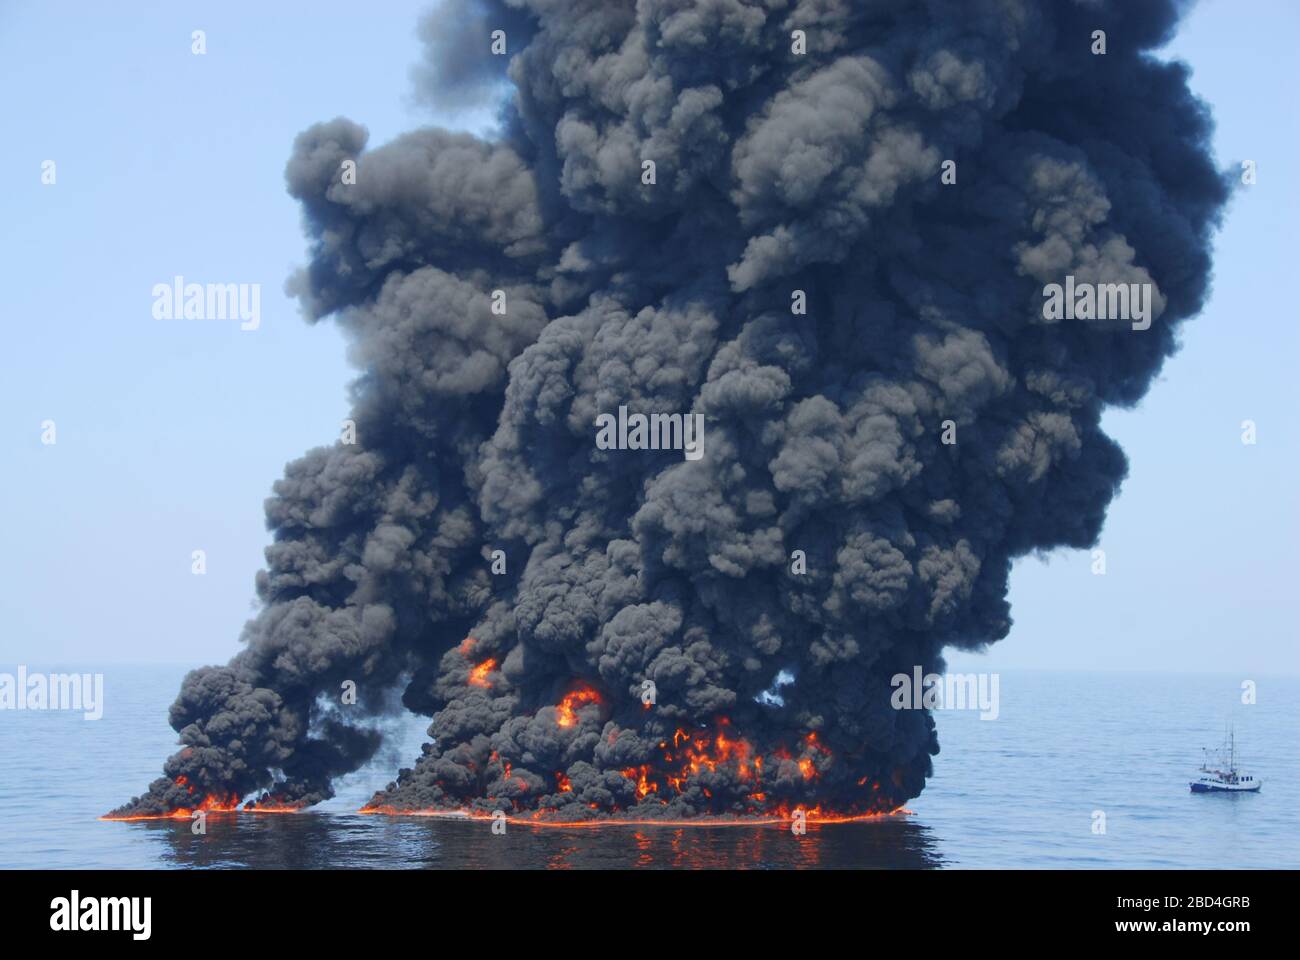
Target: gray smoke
{"x":774,"y":172}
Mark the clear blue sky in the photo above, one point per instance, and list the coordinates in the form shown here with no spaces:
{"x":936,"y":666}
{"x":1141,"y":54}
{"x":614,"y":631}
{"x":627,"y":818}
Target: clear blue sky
{"x":170,"y":434}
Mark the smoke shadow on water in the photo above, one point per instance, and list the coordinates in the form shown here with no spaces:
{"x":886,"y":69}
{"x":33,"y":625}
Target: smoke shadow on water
{"x":325,"y":841}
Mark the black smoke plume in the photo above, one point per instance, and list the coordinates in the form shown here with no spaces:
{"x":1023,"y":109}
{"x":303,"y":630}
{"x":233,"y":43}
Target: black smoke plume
{"x":774,"y":171}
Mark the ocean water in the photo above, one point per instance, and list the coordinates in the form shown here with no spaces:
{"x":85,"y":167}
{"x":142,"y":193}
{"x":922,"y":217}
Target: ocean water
{"x":1019,"y":791}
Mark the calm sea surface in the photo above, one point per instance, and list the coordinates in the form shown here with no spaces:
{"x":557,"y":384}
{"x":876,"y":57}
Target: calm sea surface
{"x":1019,"y":791}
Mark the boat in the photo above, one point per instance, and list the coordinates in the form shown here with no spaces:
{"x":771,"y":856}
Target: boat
{"x":1219,"y":773}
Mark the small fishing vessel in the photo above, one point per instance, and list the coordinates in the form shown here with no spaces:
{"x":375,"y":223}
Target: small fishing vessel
{"x":1219,"y":773}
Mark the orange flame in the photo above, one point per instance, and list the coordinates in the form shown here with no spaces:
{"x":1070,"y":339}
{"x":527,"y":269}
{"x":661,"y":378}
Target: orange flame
{"x":478,"y":677}
{"x":215,"y":803}
{"x":212,"y":803}
{"x":565,"y":714}
{"x":644,"y":787}
{"x":782,"y":816}
{"x":693,"y":752}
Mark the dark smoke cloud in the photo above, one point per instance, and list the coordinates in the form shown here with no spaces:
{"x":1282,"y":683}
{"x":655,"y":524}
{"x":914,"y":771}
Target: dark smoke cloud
{"x":775,"y":172}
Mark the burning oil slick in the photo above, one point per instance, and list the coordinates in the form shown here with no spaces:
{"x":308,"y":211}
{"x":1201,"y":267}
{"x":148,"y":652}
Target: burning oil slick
{"x":741,"y":210}
{"x":312,"y":840}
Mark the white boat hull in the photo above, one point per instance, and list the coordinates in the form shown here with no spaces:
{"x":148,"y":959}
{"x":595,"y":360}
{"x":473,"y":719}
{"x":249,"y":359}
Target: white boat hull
{"x":1208,"y":785}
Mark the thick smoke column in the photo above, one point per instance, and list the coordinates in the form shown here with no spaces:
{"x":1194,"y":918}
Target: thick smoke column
{"x":775,"y":171}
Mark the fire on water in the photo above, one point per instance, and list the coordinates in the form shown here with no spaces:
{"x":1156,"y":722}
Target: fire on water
{"x":209,"y":805}
{"x":537,"y":819}
{"x":540,"y":818}
{"x":212,"y":803}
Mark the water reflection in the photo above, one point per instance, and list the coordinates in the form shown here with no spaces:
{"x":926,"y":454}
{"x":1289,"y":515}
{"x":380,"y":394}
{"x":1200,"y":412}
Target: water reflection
{"x":320,"y":840}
